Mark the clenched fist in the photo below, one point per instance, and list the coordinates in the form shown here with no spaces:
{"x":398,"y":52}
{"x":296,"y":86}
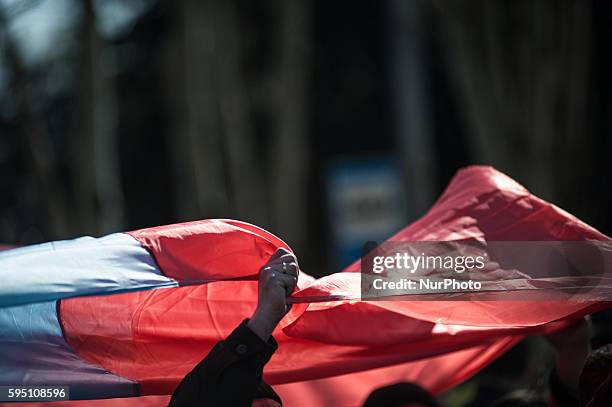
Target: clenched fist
{"x":277,"y":280}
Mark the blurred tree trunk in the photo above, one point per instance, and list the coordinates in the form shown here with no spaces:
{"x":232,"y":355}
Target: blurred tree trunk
{"x":211,"y":136}
{"x":520,"y":72}
{"x":220,"y":163}
{"x":290,"y":156}
{"x":194,"y":140}
{"x":244,"y":167}
{"x":94,"y":145}
{"x":411,"y":102}
{"x":30,"y":128}
{"x":107,"y":169}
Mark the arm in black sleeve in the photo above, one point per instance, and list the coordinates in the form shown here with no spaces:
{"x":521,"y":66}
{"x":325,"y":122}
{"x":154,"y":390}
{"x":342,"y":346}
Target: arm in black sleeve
{"x":230,"y":374}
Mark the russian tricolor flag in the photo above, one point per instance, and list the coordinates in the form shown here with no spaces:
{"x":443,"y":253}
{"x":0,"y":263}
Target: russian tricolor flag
{"x":130,"y":314}
{"x":38,"y":281}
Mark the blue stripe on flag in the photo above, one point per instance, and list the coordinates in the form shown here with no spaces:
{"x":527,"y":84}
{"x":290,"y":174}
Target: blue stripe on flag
{"x":86,"y":266}
{"x":34,"y":352}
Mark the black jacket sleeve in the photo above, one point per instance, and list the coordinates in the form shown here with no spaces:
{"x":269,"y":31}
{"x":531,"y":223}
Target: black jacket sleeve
{"x":231,"y":373}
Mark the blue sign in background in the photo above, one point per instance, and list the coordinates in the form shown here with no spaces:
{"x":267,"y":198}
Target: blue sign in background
{"x":366,"y":202}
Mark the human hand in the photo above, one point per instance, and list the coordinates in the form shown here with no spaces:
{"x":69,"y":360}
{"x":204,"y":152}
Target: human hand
{"x":277,"y":280}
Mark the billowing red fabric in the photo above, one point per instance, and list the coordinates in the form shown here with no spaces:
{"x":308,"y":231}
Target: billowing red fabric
{"x":162,"y":334}
{"x":198,"y":252}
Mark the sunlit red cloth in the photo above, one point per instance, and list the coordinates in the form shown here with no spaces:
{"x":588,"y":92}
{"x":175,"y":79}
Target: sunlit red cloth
{"x":145,"y":339}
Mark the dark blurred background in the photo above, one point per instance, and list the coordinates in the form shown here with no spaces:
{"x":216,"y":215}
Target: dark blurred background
{"x":328,"y":123}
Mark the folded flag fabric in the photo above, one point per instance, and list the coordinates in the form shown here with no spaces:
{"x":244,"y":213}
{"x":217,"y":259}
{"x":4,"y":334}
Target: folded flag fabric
{"x":130,"y":314}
